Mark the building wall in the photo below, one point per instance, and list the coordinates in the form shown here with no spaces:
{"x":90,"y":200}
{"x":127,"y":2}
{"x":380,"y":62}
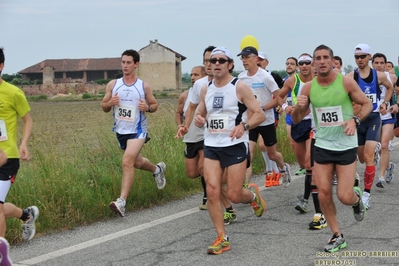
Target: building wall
{"x":48,"y":75}
{"x":158,"y":67}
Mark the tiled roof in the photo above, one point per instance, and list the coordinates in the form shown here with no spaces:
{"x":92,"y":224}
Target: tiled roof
{"x":67,"y":65}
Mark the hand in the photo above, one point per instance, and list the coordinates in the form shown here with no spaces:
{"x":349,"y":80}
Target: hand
{"x":114,"y":100}
{"x":302,"y":100}
{"x":199,"y":121}
{"x":24,"y":153}
{"x":383,"y":108}
{"x":237,"y":132}
{"x":143,"y":106}
{"x":349,"y":127}
{"x":394,"y":109}
{"x":289,"y":109}
{"x":181,"y":131}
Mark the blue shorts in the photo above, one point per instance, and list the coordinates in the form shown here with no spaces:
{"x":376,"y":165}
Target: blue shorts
{"x":301,"y":132}
{"x":123,"y":138}
{"x":389,"y":121}
{"x":369,"y":129}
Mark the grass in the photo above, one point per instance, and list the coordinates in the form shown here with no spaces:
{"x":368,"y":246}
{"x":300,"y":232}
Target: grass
{"x":75,"y":167}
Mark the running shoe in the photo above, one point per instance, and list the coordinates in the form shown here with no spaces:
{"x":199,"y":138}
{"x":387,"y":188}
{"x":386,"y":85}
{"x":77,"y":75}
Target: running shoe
{"x":229,"y":217}
{"x":4,"y":251}
{"x":28,"y":226}
{"x":286,"y":175}
{"x":380,"y":182}
{"x":335,"y":243}
{"x":390,"y":146}
{"x":221,"y":244}
{"x":302,"y":205}
{"x":377,"y":154}
{"x":118,"y":206}
{"x":318,"y":222}
{"x":335,"y":180}
{"x":258,"y":204}
{"x":389,"y":173}
{"x":276,"y":181}
{"x":301,"y":171}
{"x":366,"y":199}
{"x":160,"y":177}
{"x":269,"y":179}
{"x":203,"y":206}
{"x":359,"y":209}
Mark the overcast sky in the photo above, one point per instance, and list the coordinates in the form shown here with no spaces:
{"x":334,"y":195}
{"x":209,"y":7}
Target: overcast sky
{"x":32,"y":31}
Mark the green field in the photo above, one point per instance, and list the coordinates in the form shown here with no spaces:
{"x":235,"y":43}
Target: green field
{"x":75,"y":167}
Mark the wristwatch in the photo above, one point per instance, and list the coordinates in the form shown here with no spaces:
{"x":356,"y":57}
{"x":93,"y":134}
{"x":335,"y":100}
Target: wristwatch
{"x":357,"y":120}
{"x":246,"y":126}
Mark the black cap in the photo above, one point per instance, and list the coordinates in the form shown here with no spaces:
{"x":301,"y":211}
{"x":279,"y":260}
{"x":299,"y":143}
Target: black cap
{"x":248,"y":50}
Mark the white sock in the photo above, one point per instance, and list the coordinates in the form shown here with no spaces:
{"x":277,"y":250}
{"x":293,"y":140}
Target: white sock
{"x":157,"y":170}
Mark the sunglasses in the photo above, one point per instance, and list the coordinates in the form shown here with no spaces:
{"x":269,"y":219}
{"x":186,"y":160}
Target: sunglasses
{"x":220,"y":60}
{"x":361,"y":56}
{"x":304,"y":63}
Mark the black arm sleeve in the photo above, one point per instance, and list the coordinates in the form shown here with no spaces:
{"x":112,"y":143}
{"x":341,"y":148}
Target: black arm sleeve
{"x":277,"y":79}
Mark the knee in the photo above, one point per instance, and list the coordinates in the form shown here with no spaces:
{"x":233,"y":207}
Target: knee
{"x":138,"y":164}
{"x":345,"y":198}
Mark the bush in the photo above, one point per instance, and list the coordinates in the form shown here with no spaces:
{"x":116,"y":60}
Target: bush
{"x":86,"y":95}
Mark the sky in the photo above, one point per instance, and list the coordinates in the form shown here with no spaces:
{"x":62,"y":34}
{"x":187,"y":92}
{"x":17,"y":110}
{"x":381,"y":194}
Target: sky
{"x":33,"y":31}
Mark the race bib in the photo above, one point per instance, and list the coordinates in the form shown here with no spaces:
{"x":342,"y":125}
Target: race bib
{"x":329,"y":116}
{"x":372,"y":97}
{"x":125,"y":113}
{"x":3,"y":131}
{"x":218,"y":123}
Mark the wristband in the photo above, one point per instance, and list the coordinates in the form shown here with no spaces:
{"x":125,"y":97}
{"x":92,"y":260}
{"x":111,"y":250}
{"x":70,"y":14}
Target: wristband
{"x":284,"y":106}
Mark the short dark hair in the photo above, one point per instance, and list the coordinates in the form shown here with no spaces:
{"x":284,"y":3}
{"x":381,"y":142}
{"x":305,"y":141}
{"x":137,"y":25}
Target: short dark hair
{"x":379,"y":55}
{"x":339,"y":59}
{"x":324,"y":47}
{"x":293,"y":58}
{"x":2,"y":58}
{"x":208,"y":49}
{"x":132,"y":53}
{"x":389,"y":62}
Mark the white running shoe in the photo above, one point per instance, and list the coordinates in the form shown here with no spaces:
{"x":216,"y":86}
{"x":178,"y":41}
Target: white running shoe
{"x":366,"y":199}
{"x":28,"y":227}
{"x":160,"y":177}
{"x":118,"y":206}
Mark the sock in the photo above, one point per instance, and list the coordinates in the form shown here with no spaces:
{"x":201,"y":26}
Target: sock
{"x":267,"y":161}
{"x":315,"y":197}
{"x":203,"y":186}
{"x":369,"y":174}
{"x":275,"y":168}
{"x":157,"y":170}
{"x":25,"y":215}
{"x":230,"y":209}
{"x":308,"y":182}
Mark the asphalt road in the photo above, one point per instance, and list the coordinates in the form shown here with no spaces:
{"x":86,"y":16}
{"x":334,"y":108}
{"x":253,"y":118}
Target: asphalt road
{"x":178,"y":233}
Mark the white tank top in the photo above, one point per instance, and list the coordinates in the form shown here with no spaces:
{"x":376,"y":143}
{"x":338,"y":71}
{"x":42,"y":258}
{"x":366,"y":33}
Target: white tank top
{"x":127,"y":117}
{"x":194,"y":134}
{"x":383,"y":89}
{"x":224,"y":112}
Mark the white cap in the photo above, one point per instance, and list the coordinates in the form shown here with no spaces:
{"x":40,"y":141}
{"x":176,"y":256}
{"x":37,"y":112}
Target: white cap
{"x":221,"y":50}
{"x":362,"y":48}
{"x":263,"y":56}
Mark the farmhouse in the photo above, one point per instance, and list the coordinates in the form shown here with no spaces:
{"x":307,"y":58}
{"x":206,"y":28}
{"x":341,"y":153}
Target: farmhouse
{"x":160,"y":66}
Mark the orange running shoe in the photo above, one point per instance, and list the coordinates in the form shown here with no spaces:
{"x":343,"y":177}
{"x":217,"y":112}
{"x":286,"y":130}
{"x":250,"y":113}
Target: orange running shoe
{"x":276,"y":180}
{"x":269,"y":179}
{"x":221,"y":244}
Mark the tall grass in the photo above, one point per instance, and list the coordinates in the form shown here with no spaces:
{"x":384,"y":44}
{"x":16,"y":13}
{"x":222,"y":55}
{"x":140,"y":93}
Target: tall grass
{"x":75,"y":167}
